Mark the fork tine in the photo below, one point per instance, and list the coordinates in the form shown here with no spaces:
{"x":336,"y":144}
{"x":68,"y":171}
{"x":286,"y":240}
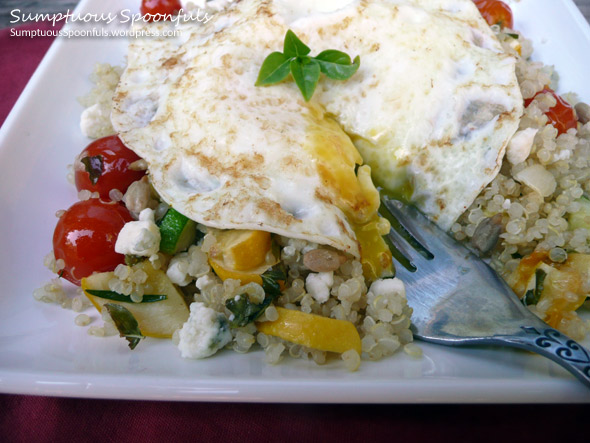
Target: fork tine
{"x":400,"y":223}
{"x":403,"y":233}
{"x":420,"y":230}
{"x":399,"y":251}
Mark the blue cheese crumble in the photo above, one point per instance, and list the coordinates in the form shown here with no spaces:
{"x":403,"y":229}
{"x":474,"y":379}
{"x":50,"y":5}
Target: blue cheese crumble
{"x":205,"y":332}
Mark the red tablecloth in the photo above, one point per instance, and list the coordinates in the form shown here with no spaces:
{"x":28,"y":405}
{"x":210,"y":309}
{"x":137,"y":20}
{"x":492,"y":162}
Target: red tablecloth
{"x":46,"y":419}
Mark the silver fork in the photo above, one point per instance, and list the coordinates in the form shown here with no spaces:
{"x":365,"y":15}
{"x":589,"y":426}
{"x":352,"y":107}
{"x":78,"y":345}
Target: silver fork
{"x":459,"y":300}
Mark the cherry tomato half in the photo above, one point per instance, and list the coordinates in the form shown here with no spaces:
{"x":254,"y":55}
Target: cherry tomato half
{"x":562,"y":115}
{"x":163,"y":7}
{"x":495,"y":12}
{"x":104,"y":165}
{"x":85,"y":238}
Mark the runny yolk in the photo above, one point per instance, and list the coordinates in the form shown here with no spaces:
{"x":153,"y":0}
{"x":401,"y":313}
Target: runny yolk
{"x":348,"y":185}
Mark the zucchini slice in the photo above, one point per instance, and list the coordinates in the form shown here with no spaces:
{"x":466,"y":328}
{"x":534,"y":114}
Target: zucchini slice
{"x":177,"y":232}
{"x":157,"y":319}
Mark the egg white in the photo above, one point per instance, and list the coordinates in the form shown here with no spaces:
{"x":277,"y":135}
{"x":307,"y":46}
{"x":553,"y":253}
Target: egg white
{"x":431,"y":110}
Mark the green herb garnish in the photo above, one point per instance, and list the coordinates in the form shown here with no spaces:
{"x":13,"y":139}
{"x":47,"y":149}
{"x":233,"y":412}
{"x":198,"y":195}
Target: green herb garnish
{"x":533,"y":296}
{"x":244,"y":311}
{"x":270,"y":281}
{"x":295,"y":59}
{"x":125,"y":323}
{"x":116,"y":296}
{"x":515,"y":36}
{"x":93,"y":166}
{"x":131,"y":260}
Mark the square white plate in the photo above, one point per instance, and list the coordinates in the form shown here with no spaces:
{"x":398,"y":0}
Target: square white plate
{"x":43,"y":352}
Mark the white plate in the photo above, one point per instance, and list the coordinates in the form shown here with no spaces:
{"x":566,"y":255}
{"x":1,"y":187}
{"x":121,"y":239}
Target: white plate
{"x":43,"y":352}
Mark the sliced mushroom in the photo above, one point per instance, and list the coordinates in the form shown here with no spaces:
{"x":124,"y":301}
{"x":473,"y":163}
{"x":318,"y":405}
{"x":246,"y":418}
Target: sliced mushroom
{"x":583,"y":112}
{"x":138,"y":195}
{"x":486,"y":235}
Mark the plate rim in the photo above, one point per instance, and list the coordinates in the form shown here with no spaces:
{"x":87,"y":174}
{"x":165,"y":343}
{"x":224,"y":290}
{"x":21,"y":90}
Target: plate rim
{"x":423,"y":390}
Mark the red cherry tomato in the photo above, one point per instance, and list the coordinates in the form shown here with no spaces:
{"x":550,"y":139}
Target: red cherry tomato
{"x":163,"y":7}
{"x":104,"y":165}
{"x":85,"y":238}
{"x":562,"y":115}
{"x":495,"y":12}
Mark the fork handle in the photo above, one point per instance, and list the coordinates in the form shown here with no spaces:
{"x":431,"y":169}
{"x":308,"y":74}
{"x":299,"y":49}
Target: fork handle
{"x":554,"y":345}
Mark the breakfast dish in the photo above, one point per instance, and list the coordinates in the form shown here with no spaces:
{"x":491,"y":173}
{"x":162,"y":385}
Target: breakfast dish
{"x":244,"y":214}
{"x":284,"y":240}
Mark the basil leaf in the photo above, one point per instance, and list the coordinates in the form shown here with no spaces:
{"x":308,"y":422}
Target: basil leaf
{"x":529,"y":298}
{"x":244,"y":311}
{"x":270,"y":280}
{"x":306,"y":74}
{"x":337,"y":66}
{"x":293,"y":47}
{"x":131,"y":260}
{"x":274,"y":69}
{"x":93,"y":166}
{"x":539,"y":283}
{"x":305,"y":69}
{"x":116,"y":296}
{"x":333,"y":56}
{"x":532,"y":296}
{"x":125,"y":323}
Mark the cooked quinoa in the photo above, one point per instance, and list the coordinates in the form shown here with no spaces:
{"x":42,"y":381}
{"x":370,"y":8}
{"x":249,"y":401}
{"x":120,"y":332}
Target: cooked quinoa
{"x":530,"y":221}
{"x":96,"y":117}
{"x":382,"y":315}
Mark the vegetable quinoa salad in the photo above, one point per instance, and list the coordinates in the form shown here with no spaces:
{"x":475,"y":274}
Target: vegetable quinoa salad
{"x":229,"y":194}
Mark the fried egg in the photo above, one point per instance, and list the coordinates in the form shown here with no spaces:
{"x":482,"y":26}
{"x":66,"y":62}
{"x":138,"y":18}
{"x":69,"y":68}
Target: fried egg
{"x":434,"y":103}
{"x":231,"y":155}
{"x":431,"y":110}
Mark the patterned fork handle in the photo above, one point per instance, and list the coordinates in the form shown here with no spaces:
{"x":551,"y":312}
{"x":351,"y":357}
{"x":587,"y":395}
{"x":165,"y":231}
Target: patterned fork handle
{"x":554,"y":345}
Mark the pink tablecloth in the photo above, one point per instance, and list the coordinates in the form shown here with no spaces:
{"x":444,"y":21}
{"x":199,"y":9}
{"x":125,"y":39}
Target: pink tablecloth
{"x":19,"y":57}
{"x":46,"y":419}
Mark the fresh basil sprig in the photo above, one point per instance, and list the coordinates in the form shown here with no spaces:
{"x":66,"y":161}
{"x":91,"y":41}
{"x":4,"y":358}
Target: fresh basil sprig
{"x":295,"y":59}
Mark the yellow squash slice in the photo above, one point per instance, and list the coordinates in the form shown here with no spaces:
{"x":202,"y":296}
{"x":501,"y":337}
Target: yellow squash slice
{"x":241,"y":255}
{"x":313,"y":331}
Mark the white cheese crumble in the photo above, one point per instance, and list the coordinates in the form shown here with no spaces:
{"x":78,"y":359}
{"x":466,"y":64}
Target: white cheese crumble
{"x":538,"y":178}
{"x":141,"y":238}
{"x":388,"y":286}
{"x":205,"y":332}
{"x":319,"y":285}
{"x":177,"y":270}
{"x":520,"y":145}
{"x":386,"y":298}
{"x":204,"y":282}
{"x":92,"y":121}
